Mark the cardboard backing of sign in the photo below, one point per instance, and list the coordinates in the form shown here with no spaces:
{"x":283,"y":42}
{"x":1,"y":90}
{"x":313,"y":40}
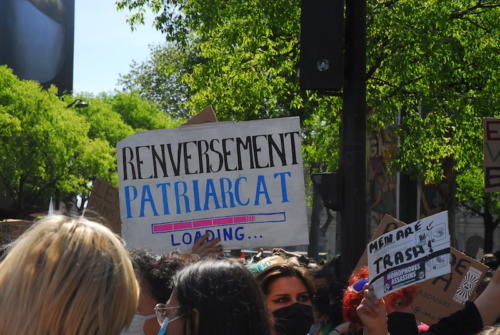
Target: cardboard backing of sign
{"x":438,"y":297}
{"x":205,"y":116}
{"x":104,"y":206}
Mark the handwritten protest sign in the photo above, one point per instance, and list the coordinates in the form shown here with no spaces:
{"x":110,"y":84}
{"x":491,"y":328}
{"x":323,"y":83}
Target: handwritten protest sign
{"x":241,"y":182}
{"x":409,"y":254}
{"x":491,"y":154}
{"x":443,"y":295}
{"x":103,"y":204}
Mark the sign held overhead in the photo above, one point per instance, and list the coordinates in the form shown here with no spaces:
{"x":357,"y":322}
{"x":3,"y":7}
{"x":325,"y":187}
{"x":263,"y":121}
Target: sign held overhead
{"x":410,"y":254}
{"x":241,"y":182}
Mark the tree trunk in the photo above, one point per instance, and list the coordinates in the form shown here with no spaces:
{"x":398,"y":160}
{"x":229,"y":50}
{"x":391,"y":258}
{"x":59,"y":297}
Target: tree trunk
{"x":317,"y":206}
{"x":489,"y":225}
{"x":451,"y":202}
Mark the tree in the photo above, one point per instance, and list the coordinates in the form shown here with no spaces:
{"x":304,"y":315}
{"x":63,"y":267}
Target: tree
{"x":49,"y":150}
{"x":434,"y":62}
{"x":475,"y":200}
{"x":112,"y":118}
{"x":159,"y":79}
{"x":44,"y":146}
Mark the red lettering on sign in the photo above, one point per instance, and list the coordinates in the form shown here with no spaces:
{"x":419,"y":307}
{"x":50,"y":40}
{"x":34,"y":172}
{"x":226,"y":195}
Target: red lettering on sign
{"x":491,"y":130}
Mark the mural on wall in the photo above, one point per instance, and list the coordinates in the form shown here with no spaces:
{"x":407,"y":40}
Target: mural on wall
{"x":382,"y":186}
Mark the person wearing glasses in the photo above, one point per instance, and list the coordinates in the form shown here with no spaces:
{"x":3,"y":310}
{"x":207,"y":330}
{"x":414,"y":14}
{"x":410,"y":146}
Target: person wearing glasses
{"x":155,"y":274}
{"x":67,"y":276}
{"x":214,"y":297}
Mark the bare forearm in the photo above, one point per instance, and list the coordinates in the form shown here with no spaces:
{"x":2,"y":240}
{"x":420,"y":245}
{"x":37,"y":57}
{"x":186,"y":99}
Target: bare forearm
{"x":488,"y":303}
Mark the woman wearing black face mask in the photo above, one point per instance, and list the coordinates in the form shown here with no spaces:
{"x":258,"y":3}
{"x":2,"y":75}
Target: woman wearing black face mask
{"x":288,"y":290}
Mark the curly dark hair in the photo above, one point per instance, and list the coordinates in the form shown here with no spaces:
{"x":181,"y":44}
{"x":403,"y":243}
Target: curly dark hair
{"x":156,"y":273}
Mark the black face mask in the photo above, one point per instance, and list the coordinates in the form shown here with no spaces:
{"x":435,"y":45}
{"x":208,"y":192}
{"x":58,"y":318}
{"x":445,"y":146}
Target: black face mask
{"x":295,"y":319}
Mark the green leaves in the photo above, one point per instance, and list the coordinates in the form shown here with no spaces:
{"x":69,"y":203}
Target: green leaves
{"x":432,"y":62}
{"x":48,"y":148}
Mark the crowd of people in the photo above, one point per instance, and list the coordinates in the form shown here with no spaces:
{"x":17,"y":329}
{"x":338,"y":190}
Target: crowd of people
{"x":72,"y":276}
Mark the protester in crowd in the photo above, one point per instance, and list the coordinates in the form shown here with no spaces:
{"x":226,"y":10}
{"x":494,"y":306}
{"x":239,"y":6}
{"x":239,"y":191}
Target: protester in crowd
{"x":323,"y":276}
{"x":401,"y":321}
{"x":214,"y":297}
{"x":490,"y":260}
{"x":327,"y":310}
{"x":155,"y":275}
{"x":67,"y":276}
{"x":288,"y":291}
{"x":470,"y":320}
{"x":327,"y":302}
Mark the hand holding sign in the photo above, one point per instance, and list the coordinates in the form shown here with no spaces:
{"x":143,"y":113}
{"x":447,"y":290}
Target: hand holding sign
{"x":372,"y":312}
{"x":488,"y":303}
{"x":203,"y":247}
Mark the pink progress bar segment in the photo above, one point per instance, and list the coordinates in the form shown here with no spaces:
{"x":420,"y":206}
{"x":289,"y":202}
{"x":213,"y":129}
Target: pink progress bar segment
{"x":219,"y":221}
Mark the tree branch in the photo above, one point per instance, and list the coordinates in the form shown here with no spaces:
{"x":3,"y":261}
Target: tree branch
{"x":470,"y":11}
{"x":472,"y":209}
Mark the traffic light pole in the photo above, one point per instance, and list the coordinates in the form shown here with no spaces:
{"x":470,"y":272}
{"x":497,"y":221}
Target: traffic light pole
{"x":353,"y":133}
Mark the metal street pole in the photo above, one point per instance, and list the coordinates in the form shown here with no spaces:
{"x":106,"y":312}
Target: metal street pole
{"x":353,"y":133}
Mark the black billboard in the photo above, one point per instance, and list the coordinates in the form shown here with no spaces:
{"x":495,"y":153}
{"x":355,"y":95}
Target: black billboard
{"x":37,"y":40}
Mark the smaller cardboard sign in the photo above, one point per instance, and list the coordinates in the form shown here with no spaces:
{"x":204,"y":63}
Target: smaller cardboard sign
{"x":104,"y":204}
{"x":491,"y":154}
{"x":205,"y":116}
{"x":441,"y":296}
{"x":409,"y":254}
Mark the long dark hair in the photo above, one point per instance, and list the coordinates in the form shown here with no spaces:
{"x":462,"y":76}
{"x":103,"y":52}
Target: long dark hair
{"x":226,"y":297}
{"x":279,"y":270}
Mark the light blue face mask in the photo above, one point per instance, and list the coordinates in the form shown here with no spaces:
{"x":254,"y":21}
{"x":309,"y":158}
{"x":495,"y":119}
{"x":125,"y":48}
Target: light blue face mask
{"x":164,"y":325}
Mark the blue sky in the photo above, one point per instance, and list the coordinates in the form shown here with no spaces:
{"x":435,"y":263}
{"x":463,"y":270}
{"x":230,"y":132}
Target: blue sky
{"x":105,"y":46}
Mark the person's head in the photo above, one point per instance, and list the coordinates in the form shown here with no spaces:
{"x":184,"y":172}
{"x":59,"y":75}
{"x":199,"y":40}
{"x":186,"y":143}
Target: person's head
{"x":327,"y":304}
{"x":217,"y":297}
{"x":288,"y":290}
{"x":490,"y":260}
{"x":67,"y":276}
{"x":155,"y":274}
{"x":353,"y":295}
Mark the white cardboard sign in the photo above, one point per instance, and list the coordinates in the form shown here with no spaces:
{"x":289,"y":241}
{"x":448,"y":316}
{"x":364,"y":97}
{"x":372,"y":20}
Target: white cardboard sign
{"x":410,"y":254}
{"x":241,"y":182}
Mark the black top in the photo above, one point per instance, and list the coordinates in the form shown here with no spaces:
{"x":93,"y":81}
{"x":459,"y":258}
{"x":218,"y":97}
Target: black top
{"x":466,"y":321}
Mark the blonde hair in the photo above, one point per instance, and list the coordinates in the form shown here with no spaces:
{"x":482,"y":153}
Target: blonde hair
{"x":495,"y":330}
{"x":67,"y":276}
